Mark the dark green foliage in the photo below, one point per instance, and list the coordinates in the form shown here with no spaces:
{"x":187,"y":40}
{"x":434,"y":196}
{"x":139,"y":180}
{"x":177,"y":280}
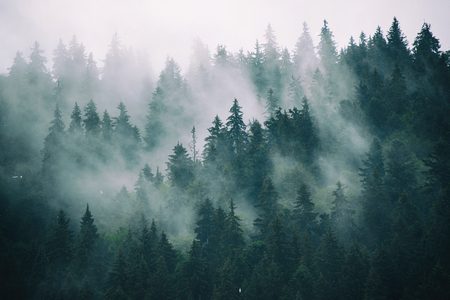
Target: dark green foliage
{"x":258,"y":163}
{"x":355,"y":271}
{"x":162,"y":286}
{"x":302,"y":215}
{"x":205,"y":222}
{"x":180,"y":168}
{"x":60,"y":245}
{"x":329,"y":263}
{"x":301,"y":285}
{"x":76,"y":125}
{"x":400,"y":171}
{"x":267,"y":206}
{"x":165,"y":249}
{"x":118,"y":278}
{"x":194,"y":277}
{"x":91,"y":120}
{"x":233,"y":237}
{"x":385,"y":239}
{"x":107,"y":126}
{"x":341,"y":217}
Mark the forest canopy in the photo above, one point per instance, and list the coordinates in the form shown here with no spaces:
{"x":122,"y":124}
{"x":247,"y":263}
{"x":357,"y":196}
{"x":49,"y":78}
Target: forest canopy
{"x":275,"y":173}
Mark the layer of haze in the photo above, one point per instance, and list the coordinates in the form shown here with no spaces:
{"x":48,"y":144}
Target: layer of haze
{"x":167,"y":28}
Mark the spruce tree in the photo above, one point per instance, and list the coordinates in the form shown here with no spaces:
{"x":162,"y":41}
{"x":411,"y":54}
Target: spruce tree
{"x":267,"y":206}
{"x":233,"y":236}
{"x":303,"y":216}
{"x":180,"y":170}
{"x":341,"y":216}
{"x":92,"y":120}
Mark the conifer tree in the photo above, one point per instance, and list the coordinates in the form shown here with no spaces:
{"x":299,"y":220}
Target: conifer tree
{"x":194,"y":277}
{"x":258,"y":163}
{"x":147,"y":172}
{"x":162,"y":286}
{"x":164,"y":248}
{"x":180,"y":168}
{"x":268,"y":207}
{"x":271,"y":103}
{"x":53,"y":146}
{"x":400,"y":171}
{"x":60,"y":247}
{"x":205,"y":222}
{"x":329,"y":263}
{"x":233,"y":234}
{"x":107,"y":126}
{"x":76,"y":125}
{"x":397,"y":45}
{"x":327,"y":49}
{"x":236,"y":128}
{"x":341,"y":216}
{"x":92,"y":120}
{"x":303,"y":216}
{"x":304,"y":54}
{"x":118,"y":278}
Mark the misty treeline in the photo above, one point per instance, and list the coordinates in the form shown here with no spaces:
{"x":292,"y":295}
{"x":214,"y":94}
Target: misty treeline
{"x":333,"y":185}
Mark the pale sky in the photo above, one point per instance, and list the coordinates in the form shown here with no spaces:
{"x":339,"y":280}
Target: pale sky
{"x":167,"y":28}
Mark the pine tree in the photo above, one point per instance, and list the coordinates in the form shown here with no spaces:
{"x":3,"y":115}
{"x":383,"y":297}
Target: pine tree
{"x":194,"y":277}
{"x":148,"y":241}
{"x":304,"y":54}
{"x":236,"y":128}
{"x":159,"y":178}
{"x":53,"y":146}
{"x":233,"y":236}
{"x":88,"y":231}
{"x":162,"y":286}
{"x":258,"y":164}
{"x":268,"y":207}
{"x":355,"y":271}
{"x":147,"y":172}
{"x":107,"y":126}
{"x":180,"y":170}
{"x":92,"y":120}
{"x":59,"y":247}
{"x":327,"y":49}
{"x":164,"y":248}
{"x":118,"y":278}
{"x":257,"y":69}
{"x":376,"y":212}
{"x":300,"y":286}
{"x":397,"y":45}
{"x":303,"y":216}
{"x":76,"y":125}
{"x":278,"y":248}
{"x":341,"y":216}
{"x":374,"y":162}
{"x":272,"y":103}
{"x":205,"y":222}
{"x":329,"y":264}
{"x":400,"y":171}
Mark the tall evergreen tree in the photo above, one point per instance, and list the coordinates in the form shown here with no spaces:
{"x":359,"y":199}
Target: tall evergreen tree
{"x":303,"y":216}
{"x":341,"y":216}
{"x":180,"y":168}
{"x":233,"y":234}
{"x":92,"y":120}
{"x":76,"y":125}
{"x":268,"y":207}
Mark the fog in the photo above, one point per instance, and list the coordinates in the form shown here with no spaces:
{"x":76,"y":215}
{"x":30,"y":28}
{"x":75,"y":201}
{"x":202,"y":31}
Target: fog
{"x":168,"y":28}
{"x":174,"y":46}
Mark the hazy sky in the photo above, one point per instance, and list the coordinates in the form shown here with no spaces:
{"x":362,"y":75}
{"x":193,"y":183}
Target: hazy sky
{"x":168,"y":27}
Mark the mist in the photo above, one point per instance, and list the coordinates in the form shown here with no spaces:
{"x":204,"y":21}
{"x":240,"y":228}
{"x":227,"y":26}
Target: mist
{"x":218,"y":151}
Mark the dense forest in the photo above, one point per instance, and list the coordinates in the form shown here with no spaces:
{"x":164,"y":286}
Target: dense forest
{"x":335,"y":183}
